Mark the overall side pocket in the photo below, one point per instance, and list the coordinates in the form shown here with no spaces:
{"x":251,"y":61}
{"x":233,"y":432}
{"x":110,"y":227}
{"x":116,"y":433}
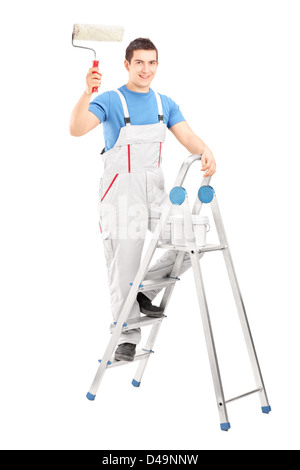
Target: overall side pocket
{"x":109,"y":187}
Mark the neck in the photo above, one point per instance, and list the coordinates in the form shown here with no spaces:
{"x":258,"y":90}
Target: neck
{"x":132,"y":87}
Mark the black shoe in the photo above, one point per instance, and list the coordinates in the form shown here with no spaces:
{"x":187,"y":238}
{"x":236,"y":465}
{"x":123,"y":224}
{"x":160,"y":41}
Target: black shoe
{"x":147,"y":308}
{"x":125,"y":352}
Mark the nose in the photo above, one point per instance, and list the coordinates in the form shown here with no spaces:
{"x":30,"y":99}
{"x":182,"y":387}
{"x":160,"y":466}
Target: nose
{"x":146,"y":68}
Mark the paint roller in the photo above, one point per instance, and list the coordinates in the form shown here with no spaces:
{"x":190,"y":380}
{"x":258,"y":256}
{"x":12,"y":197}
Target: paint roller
{"x":90,"y":32}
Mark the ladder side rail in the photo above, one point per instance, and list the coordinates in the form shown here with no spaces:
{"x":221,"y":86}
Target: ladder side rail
{"x":208,"y":332}
{"x":155,"y":329}
{"x":239,"y":303}
{"x":105,"y":360}
{"x":149,"y":345}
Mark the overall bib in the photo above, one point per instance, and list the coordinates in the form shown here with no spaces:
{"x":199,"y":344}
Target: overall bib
{"x":132,"y":195}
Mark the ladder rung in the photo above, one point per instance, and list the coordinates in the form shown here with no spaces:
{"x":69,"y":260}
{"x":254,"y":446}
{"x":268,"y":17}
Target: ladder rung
{"x":244,"y":395}
{"x":156,"y":283}
{"x":141,"y":354}
{"x":138,"y":323}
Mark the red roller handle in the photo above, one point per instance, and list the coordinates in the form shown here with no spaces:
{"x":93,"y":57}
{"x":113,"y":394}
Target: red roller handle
{"x":95,"y":65}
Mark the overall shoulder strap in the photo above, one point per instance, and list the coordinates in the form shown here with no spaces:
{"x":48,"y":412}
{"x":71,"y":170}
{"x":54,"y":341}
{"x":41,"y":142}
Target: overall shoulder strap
{"x":125,"y":108}
{"x":160,"y":108}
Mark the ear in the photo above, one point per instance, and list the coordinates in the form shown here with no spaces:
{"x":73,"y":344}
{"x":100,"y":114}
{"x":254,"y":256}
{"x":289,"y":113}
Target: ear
{"x":126,"y":63}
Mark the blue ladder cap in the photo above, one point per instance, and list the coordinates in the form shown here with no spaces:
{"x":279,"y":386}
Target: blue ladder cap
{"x":131,"y":284}
{"x":124,"y":324}
{"x":178,"y":195}
{"x":135,"y":383}
{"x":91,"y":397}
{"x":225,"y":426}
{"x":206,"y":194}
{"x":266,"y":410}
{"x":108,"y":362}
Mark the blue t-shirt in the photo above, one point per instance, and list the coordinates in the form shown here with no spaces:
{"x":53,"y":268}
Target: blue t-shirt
{"x":142,"y":109}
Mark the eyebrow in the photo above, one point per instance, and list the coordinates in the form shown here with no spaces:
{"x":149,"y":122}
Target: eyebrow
{"x":140,"y":60}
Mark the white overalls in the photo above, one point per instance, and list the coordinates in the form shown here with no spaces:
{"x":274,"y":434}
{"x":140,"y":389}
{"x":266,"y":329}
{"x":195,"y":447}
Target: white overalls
{"x":132,"y":192}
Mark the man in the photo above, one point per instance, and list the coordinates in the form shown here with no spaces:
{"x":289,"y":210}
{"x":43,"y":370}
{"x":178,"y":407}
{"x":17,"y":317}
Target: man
{"x":132,"y":192}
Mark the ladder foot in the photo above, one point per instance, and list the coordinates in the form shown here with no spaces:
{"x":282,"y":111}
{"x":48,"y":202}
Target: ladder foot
{"x":225,"y":426}
{"x":266,"y":410}
{"x":135,"y":383}
{"x":91,"y":397}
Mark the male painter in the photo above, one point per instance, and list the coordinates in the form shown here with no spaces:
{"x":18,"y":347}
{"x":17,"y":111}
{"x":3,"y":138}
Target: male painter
{"x":135,"y":120}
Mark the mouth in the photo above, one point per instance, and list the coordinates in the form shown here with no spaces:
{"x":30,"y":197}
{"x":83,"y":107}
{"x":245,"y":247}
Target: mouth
{"x":145,"y":77}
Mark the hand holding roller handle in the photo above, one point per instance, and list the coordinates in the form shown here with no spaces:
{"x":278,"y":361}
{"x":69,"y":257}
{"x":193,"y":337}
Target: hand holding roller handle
{"x":89,"y":32}
{"x":93,"y":79}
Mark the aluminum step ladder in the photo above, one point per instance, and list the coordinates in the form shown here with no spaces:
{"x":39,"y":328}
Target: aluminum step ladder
{"x":179,"y":197}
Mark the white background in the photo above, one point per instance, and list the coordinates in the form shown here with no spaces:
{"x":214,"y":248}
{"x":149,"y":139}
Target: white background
{"x":233,"y":67}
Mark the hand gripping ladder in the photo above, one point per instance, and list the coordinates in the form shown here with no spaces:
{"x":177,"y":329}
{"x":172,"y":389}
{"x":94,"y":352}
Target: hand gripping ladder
{"x":179,"y":196}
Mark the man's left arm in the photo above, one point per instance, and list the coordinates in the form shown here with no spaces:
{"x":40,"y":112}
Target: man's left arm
{"x":195,"y":145}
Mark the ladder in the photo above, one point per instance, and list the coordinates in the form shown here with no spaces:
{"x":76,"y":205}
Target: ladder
{"x":179,"y":197}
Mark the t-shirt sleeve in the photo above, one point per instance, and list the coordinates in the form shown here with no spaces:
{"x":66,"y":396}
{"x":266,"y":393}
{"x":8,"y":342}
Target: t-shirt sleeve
{"x":100,"y":106}
{"x":175,"y":115}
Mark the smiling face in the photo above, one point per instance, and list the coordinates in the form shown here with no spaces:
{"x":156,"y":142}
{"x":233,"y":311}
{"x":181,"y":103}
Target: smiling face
{"x":142,"y":69}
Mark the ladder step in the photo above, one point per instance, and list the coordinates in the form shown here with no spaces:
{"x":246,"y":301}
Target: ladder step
{"x":156,"y":283}
{"x":138,"y":323}
{"x":201,"y":249}
{"x":141,"y":354}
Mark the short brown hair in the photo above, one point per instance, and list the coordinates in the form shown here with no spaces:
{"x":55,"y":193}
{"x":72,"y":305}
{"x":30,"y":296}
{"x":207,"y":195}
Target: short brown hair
{"x":140,"y":44}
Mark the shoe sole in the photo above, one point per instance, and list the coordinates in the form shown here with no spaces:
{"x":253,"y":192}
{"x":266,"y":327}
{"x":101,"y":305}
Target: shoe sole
{"x":122,"y":357}
{"x":151,"y":314}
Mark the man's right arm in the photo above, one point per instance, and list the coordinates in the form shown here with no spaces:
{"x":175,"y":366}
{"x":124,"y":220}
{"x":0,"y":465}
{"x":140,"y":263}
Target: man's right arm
{"x":82,"y":120}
